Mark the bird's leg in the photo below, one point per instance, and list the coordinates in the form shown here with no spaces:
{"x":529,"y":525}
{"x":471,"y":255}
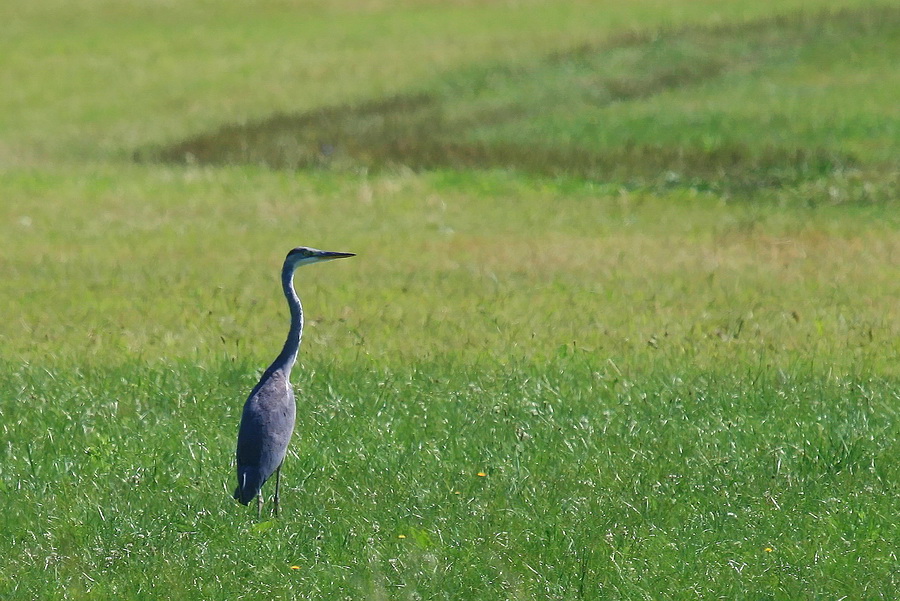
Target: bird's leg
{"x":277,"y":486}
{"x":259,"y":504}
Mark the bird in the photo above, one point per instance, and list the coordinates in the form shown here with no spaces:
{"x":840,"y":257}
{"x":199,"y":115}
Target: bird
{"x":267,"y":421}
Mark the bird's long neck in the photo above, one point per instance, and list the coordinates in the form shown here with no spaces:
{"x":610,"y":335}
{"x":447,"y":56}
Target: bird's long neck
{"x":285,"y":361}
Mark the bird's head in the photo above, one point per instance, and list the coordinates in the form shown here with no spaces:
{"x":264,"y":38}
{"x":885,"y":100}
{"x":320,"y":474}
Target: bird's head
{"x":303,"y":255}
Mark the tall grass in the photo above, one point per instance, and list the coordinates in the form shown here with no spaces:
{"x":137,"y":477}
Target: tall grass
{"x":567,"y":480}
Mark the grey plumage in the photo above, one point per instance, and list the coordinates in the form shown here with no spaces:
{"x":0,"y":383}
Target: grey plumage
{"x":269,"y":412}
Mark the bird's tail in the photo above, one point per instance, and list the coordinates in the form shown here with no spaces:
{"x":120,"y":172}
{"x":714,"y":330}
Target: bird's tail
{"x":248,"y":486}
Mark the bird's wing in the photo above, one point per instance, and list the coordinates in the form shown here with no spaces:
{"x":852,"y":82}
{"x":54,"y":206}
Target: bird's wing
{"x":266,"y":425}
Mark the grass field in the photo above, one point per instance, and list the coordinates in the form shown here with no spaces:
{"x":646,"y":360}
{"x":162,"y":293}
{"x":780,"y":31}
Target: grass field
{"x":623,"y":322}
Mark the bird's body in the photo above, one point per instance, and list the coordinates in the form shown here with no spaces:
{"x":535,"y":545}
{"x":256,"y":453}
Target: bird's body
{"x":266,"y":428}
{"x":267,"y":422}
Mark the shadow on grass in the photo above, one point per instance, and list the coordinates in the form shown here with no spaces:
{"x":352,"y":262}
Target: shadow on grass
{"x":482,"y":118}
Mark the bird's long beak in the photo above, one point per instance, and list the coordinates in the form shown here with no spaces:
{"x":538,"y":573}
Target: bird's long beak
{"x":303,"y":255}
{"x":327,"y":255}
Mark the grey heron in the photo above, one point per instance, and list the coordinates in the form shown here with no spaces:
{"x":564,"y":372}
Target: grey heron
{"x":268,"y":418}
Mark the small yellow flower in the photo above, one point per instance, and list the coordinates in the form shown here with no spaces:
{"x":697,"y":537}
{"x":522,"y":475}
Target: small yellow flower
{"x":401,"y":536}
{"x":768,"y":549}
{"x":481,"y":474}
{"x":295,"y":567}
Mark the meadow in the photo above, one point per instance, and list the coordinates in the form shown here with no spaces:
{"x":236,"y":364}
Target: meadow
{"x":623,"y":322}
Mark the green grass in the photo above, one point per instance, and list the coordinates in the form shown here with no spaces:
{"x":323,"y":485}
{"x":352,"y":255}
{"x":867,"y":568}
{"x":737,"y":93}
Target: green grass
{"x":594,"y":111}
{"x":635,"y":263}
{"x":597,"y":483}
